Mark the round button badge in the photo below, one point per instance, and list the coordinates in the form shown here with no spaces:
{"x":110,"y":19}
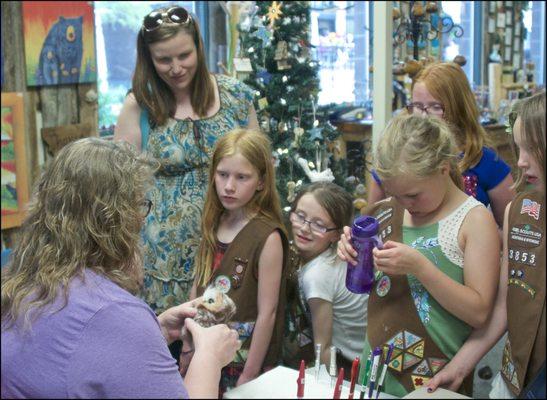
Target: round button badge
{"x":223,"y":284}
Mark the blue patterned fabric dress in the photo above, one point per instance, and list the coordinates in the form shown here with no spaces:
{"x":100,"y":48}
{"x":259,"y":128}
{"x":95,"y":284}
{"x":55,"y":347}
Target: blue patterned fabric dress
{"x":171,"y":233}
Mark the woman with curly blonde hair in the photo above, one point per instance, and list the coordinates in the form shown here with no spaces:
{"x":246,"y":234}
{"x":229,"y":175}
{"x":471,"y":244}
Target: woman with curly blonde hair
{"x":71,"y":324}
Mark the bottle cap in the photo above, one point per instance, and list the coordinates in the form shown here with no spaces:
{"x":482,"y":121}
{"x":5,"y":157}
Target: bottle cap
{"x":364,"y":226}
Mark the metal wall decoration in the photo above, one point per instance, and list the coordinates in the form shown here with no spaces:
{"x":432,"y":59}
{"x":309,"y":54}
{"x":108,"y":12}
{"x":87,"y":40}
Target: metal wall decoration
{"x":424,"y":22}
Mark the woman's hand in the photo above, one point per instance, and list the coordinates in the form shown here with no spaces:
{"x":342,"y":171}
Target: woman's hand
{"x":398,"y":259}
{"x":218,"y":342}
{"x":172,"y":320}
{"x":345,"y":249}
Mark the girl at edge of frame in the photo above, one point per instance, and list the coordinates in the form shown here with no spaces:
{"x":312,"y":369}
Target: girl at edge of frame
{"x":529,"y":135}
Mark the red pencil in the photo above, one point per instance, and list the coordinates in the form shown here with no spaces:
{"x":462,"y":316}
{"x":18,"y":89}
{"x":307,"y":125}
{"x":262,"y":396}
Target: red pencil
{"x":354,"y":367}
{"x":338,"y":387}
{"x":300,"y":381}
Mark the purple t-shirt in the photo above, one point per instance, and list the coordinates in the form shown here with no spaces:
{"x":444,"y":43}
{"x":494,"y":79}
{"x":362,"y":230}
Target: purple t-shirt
{"x":105,"y":343}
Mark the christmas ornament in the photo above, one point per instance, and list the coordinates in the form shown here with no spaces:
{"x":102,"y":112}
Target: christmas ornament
{"x":315,"y":134}
{"x":291,"y":186}
{"x":263,"y":35}
{"x":262,"y":103}
{"x":315,"y":176}
{"x":282,"y":55}
{"x":274,"y":13}
{"x":265,"y":76}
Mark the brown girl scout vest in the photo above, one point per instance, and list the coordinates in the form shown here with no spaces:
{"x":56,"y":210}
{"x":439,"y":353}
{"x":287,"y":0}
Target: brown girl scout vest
{"x":238,"y":276}
{"x":524,"y":350}
{"x":393,"y":318}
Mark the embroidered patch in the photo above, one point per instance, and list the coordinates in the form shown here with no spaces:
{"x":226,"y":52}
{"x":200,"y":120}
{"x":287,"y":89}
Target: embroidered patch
{"x":409,"y":360}
{"x":397,"y":363}
{"x":410,"y":339}
{"x":408,"y":350}
{"x":244,"y":329}
{"x":222,"y":282}
{"x":522,"y":257}
{"x":383,"y":286}
{"x":419,"y":381}
{"x":523,"y":285}
{"x":397,"y":341}
{"x":417,"y":349}
{"x":526,"y":235}
{"x":507,"y":366}
{"x":422,"y":369}
{"x":531,"y":208}
{"x":436,"y":364}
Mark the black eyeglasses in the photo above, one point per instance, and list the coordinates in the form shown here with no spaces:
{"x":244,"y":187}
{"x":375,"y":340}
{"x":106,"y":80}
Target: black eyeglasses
{"x":431,"y":109}
{"x":300,"y":220}
{"x":175,"y":15}
{"x":145,"y":207}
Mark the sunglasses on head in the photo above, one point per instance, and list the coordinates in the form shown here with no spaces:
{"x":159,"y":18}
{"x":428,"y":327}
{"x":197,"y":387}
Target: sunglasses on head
{"x":175,"y":15}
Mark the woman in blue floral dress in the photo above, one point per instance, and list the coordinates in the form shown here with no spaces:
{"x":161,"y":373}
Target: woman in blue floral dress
{"x":176,"y":111}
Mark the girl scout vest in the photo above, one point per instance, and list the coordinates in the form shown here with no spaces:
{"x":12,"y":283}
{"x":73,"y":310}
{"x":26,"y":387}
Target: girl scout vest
{"x":237,"y":275}
{"x":524,"y":351}
{"x":416,"y":358}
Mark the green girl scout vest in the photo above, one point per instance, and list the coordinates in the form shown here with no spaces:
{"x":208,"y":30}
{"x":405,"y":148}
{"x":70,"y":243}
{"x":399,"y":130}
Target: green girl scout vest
{"x":524,"y":351}
{"x":393,"y":318}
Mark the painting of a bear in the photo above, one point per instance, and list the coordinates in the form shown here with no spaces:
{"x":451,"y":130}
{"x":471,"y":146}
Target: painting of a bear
{"x":59,"y":42}
{"x":61,"y":56}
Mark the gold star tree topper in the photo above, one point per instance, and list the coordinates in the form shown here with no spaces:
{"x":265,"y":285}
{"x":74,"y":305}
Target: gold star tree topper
{"x":274,"y":12}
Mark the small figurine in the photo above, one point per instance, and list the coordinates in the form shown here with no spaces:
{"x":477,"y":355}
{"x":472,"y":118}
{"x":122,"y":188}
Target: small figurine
{"x":215,"y":308}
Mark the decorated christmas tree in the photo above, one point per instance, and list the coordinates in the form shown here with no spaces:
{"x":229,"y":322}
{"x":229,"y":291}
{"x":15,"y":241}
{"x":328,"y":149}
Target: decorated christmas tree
{"x":274,"y":58}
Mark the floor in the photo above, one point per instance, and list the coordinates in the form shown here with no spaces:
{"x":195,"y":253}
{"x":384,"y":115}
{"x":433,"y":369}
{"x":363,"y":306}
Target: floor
{"x":481,"y":387}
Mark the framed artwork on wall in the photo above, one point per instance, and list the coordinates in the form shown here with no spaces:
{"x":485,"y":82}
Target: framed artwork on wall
{"x":14,"y":168}
{"x":59,"y":42}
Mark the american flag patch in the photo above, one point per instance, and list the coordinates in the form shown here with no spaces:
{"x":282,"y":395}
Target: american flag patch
{"x":531,"y":208}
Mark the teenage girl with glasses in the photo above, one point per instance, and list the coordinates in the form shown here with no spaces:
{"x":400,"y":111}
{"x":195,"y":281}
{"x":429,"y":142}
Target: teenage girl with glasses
{"x":176,"y":111}
{"x":442,"y":90}
{"x":338,"y":316}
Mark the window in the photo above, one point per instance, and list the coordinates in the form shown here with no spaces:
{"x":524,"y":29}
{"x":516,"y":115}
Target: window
{"x":117,"y":25}
{"x":534,"y":22}
{"x":340,"y":36}
{"x":462,"y":14}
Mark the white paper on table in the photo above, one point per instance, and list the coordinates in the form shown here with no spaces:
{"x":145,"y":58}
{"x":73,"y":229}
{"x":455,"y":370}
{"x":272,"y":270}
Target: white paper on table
{"x":280,"y":383}
{"x":440,"y":393}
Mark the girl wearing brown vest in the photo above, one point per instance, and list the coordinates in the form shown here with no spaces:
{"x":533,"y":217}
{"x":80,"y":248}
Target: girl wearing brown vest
{"x":438,"y":268}
{"x":520,"y":304}
{"x":243,"y":250}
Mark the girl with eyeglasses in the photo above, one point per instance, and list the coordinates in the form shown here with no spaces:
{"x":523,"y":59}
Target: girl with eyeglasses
{"x":442,"y":90}
{"x":317,"y":280}
{"x":176,"y":111}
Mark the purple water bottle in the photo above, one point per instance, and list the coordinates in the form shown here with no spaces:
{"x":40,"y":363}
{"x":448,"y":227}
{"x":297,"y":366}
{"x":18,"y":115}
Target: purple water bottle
{"x":364,"y":234}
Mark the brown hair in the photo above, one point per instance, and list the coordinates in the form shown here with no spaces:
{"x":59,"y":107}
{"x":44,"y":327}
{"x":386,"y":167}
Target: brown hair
{"x":151,"y":92}
{"x":256,"y":148}
{"x":531,"y":112}
{"x":416,"y":146}
{"x":86,"y":213}
{"x":335,"y":200}
{"x":447,"y":82}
